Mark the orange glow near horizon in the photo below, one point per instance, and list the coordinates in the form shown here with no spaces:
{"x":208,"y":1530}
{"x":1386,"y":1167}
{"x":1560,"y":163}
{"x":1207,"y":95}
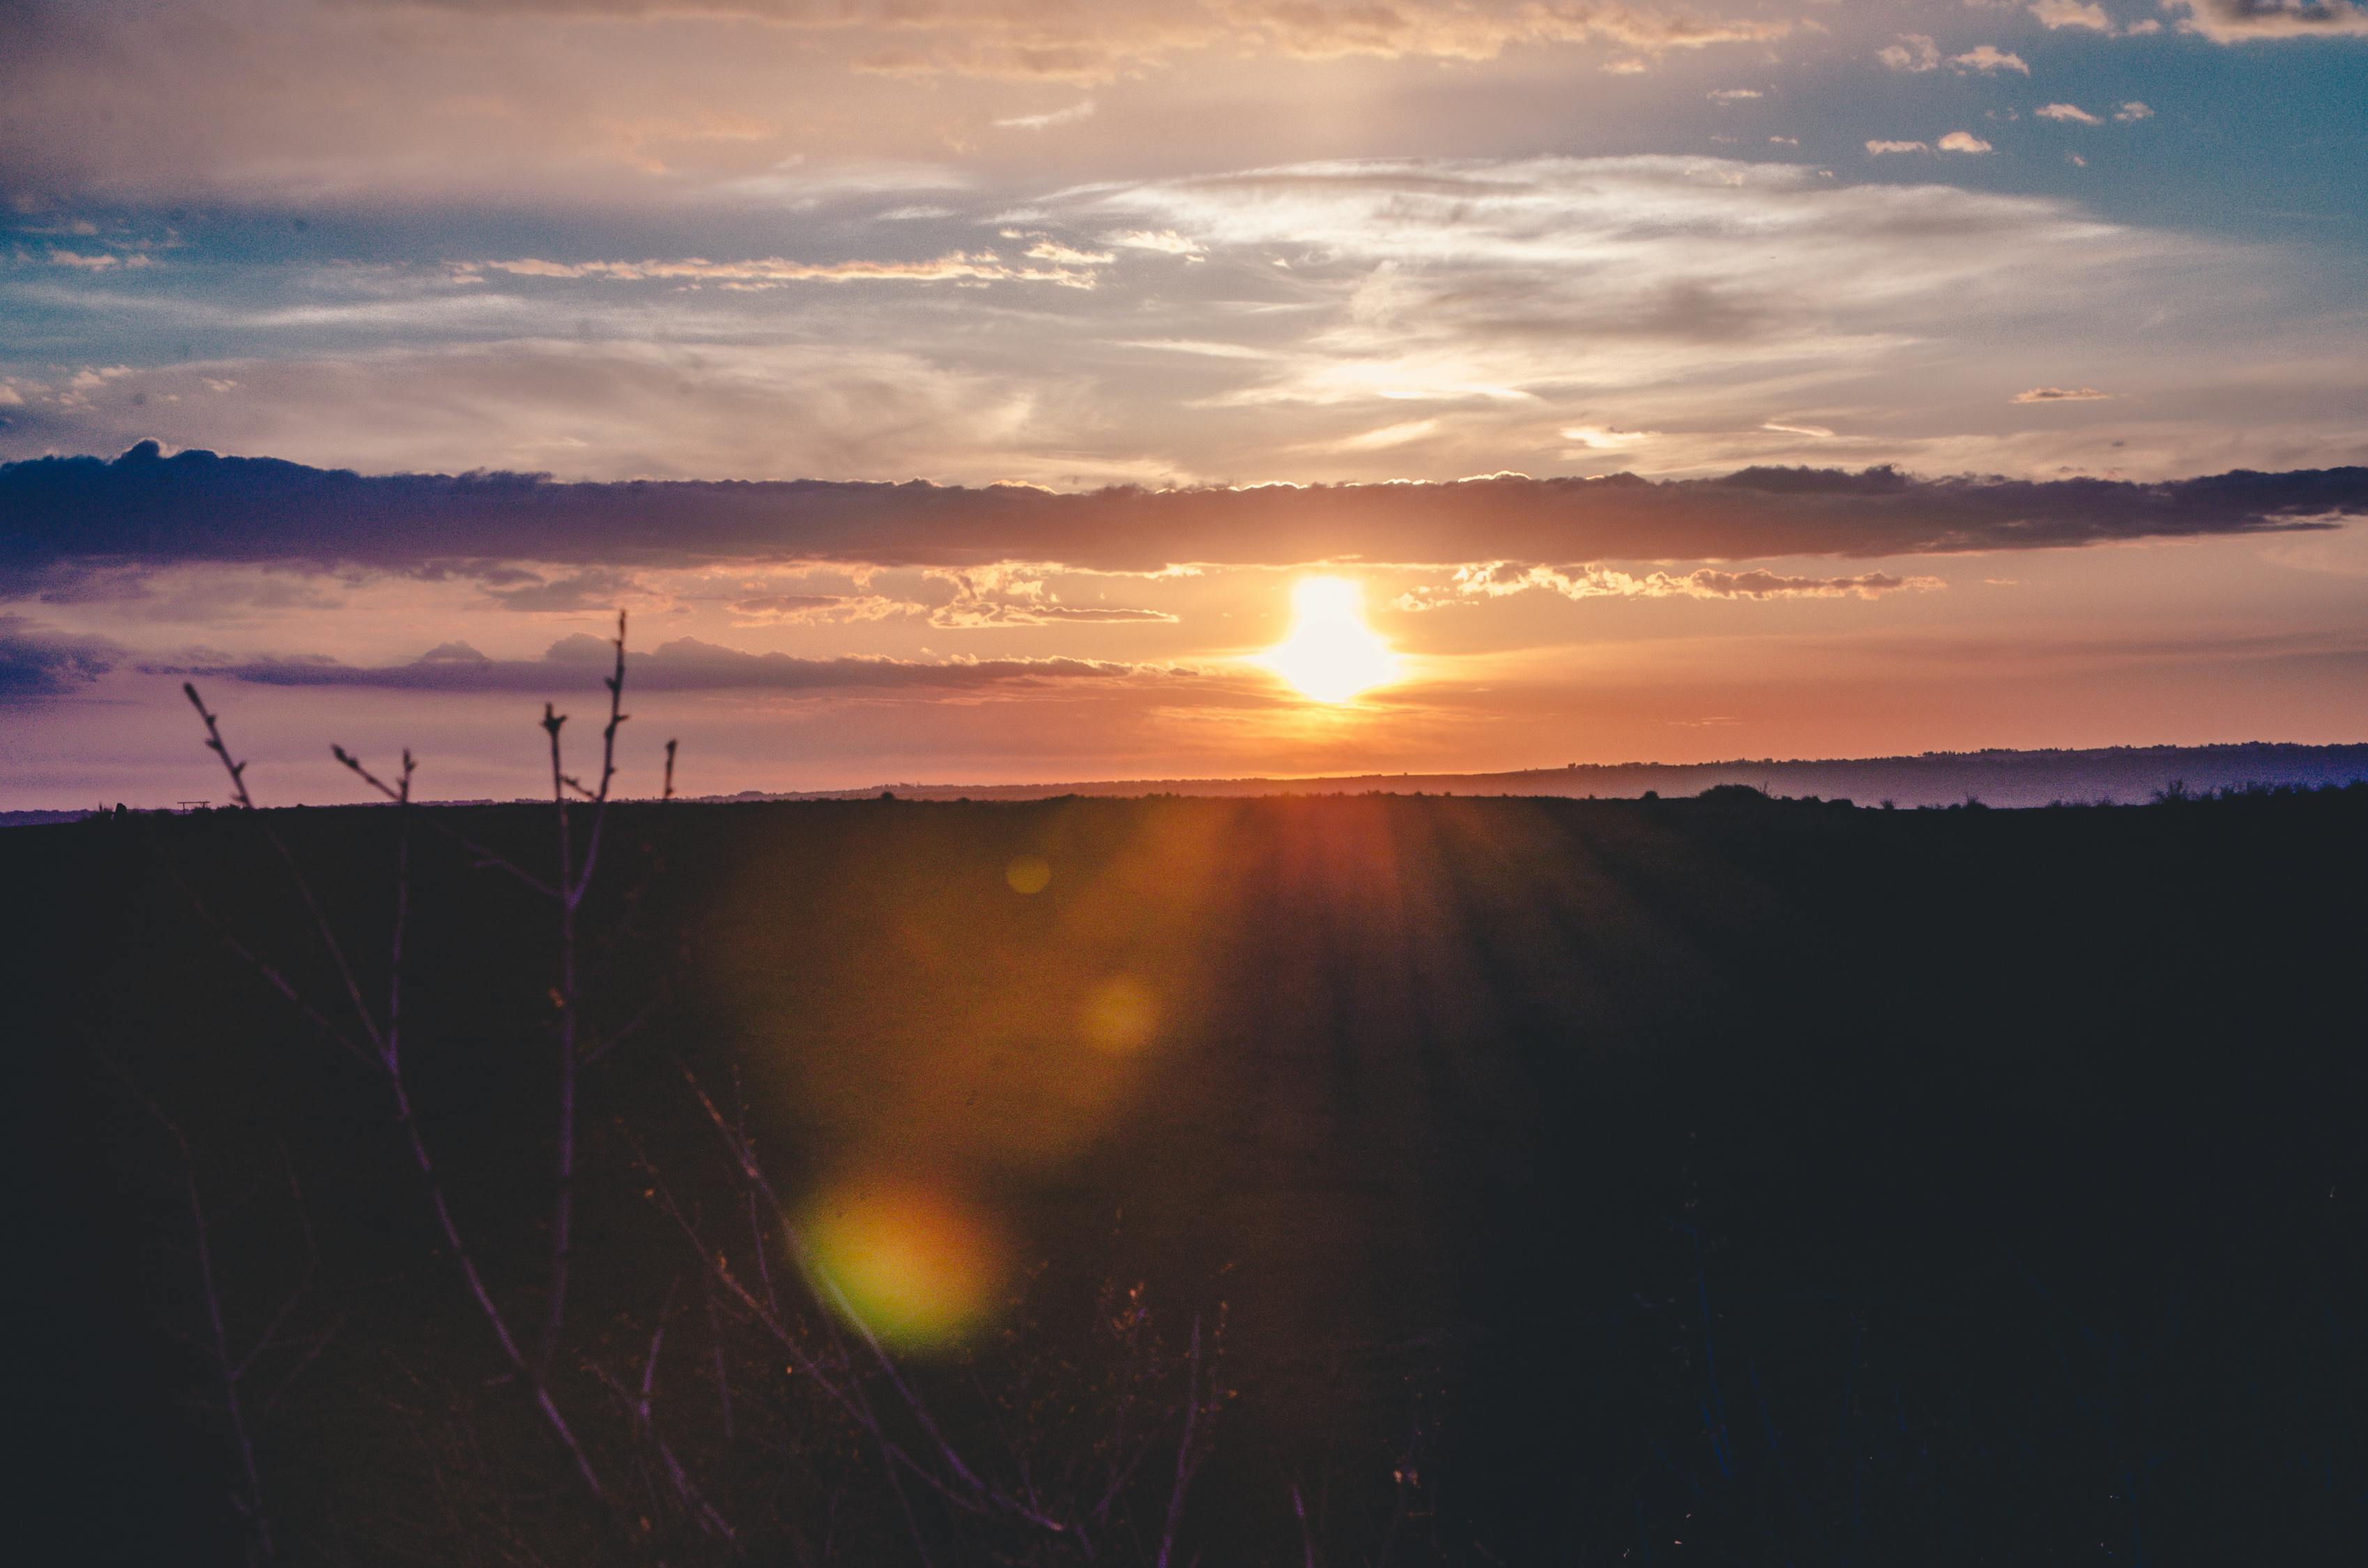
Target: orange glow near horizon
{"x":1331,"y":655}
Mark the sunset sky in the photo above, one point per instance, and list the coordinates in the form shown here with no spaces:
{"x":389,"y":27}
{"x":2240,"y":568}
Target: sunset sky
{"x":1791,"y":379}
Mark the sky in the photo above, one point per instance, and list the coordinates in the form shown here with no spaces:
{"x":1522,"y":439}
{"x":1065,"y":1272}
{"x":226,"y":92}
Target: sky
{"x":966,"y":391}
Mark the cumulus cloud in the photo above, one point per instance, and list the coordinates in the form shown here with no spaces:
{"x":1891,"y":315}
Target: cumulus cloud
{"x":1881,"y":148}
{"x":2240,"y":21}
{"x":1913,"y":51}
{"x":1962,"y":141}
{"x":580,"y":662}
{"x":145,"y":508}
{"x":1989,"y":60}
{"x":2055,"y":13}
{"x":2072,"y":113}
{"x":1916,"y":52}
{"x":38,"y":661}
{"x":2132,"y":111}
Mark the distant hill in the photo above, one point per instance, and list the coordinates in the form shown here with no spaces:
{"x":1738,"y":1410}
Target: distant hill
{"x":2119,"y":774}
{"x":2124,"y":774}
{"x":36,"y":819}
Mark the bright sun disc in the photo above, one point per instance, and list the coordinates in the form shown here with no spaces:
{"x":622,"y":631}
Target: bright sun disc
{"x":1331,"y":654}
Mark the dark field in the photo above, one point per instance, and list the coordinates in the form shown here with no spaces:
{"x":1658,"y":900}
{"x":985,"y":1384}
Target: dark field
{"x":1716,"y":1180}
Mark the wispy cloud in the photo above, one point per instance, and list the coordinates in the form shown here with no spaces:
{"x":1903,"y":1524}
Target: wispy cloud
{"x":1502,"y":579}
{"x":1069,"y":115}
{"x":773,"y":271}
{"x":1166,"y":242}
{"x":579,"y":663}
{"x":2062,"y":394}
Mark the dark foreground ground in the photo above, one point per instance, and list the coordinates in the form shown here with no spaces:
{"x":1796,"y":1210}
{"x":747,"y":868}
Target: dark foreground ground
{"x":1718,"y":1181}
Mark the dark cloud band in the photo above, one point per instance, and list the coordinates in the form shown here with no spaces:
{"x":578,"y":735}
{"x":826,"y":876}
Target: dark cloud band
{"x":579,"y":663}
{"x":146,"y":510}
{"x":37,"y":661}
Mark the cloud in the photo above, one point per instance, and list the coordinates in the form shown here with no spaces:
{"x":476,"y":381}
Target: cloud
{"x":1069,"y":115}
{"x":1913,"y":53}
{"x":1604,"y":439}
{"x":1989,"y":60}
{"x":1879,"y":149}
{"x":100,"y":261}
{"x":1505,"y":298}
{"x":1015,"y":594}
{"x":2073,"y":113}
{"x":821,"y":608}
{"x":1029,"y":39}
{"x":1502,"y":579}
{"x":2242,"y":21}
{"x":597,"y":587}
{"x":1733,"y":94}
{"x":2062,"y":394}
{"x":36,"y":661}
{"x":1068,"y":255}
{"x":2132,"y":111}
{"x":1485,"y":283}
{"x":1166,"y":242}
{"x":580,"y":662}
{"x":1389,"y":436}
{"x":2055,"y":13}
{"x":1962,"y":141}
{"x":148,"y":509}
{"x":773,"y":271}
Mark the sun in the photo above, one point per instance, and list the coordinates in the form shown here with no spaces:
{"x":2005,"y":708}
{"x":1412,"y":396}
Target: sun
{"x":1331,"y":654}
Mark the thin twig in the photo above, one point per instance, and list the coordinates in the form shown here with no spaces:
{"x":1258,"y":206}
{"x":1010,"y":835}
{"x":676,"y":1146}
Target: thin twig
{"x":1306,"y":1537}
{"x":483,"y":858}
{"x":1185,"y":1461}
{"x":386,"y":1047}
{"x":229,"y":1368}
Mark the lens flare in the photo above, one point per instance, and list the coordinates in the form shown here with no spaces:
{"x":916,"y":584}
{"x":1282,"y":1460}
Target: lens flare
{"x":1121,"y":1015}
{"x":913,"y":1263}
{"x":1029,"y":874}
{"x":1331,"y":655}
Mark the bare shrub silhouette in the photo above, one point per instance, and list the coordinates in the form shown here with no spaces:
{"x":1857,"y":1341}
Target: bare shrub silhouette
{"x":743,"y":1407}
